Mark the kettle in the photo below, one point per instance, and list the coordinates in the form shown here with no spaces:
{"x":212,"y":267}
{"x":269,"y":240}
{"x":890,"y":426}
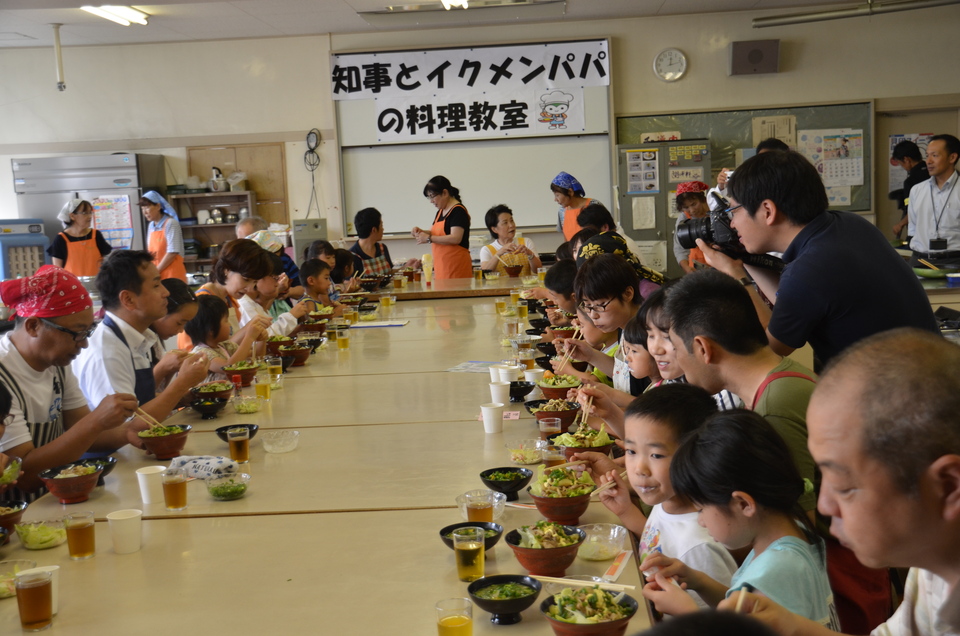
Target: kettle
{"x":218,"y":183}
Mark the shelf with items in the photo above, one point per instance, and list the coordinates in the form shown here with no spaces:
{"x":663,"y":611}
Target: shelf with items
{"x":189,"y":207}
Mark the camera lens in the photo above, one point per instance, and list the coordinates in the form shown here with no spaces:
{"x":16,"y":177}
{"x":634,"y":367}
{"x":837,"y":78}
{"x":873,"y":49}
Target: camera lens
{"x":692,"y":229}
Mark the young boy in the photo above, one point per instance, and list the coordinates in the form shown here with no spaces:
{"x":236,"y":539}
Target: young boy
{"x":655,"y":424}
{"x":316,"y":282}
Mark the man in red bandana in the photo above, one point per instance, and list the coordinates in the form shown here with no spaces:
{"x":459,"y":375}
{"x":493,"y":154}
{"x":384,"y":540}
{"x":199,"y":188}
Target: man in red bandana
{"x":51,"y":423}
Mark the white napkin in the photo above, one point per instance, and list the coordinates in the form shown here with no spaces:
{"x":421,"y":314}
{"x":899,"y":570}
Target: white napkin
{"x":203,"y":466}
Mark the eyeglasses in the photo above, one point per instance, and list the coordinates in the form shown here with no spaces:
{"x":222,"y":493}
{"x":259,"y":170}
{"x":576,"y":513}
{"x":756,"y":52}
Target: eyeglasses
{"x":599,"y":308}
{"x":729,"y":211}
{"x":78,"y":336}
{"x":83,"y":212}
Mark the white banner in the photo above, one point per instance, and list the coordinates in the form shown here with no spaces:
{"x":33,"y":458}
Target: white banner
{"x":451,"y":73}
{"x":482,"y":115}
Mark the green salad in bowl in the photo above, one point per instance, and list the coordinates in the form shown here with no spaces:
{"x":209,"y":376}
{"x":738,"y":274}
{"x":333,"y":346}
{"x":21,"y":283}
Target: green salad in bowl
{"x":585,"y":437}
{"x":561,"y":482}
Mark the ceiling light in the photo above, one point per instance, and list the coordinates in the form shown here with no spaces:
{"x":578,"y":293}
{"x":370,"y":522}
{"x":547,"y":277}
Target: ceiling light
{"x":119,"y":14}
{"x":447,"y":4}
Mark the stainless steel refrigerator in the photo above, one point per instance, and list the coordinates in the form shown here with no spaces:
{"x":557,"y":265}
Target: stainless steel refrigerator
{"x":112,"y":183}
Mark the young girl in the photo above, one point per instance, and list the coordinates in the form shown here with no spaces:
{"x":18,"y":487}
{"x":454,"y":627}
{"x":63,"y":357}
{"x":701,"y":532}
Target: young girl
{"x":656,"y":422}
{"x":316,"y":282}
{"x":604,"y":342}
{"x":342,"y":274}
{"x":181,"y":308}
{"x":210,"y":332}
{"x":740,"y":475}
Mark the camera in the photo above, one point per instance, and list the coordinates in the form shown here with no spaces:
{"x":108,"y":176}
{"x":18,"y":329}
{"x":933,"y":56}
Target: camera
{"x":715,"y":230}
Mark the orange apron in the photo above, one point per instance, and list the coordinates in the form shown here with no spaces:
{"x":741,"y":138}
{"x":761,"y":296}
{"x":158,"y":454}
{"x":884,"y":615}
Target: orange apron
{"x":449,"y":261}
{"x":158,"y":246}
{"x":83,"y":257}
{"x":570,"y":223}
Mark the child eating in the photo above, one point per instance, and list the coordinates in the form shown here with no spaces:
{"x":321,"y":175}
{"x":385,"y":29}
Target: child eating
{"x":210,"y":332}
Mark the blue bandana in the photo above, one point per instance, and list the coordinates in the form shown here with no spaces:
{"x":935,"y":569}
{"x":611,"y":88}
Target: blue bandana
{"x":166,"y":207}
{"x":569,"y":182}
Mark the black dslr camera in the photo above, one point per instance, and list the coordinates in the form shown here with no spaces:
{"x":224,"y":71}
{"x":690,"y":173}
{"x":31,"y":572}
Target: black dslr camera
{"x":715,"y":230}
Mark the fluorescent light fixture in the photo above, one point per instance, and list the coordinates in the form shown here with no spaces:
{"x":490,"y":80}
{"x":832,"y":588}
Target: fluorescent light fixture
{"x":447,"y":4}
{"x":119,"y":14}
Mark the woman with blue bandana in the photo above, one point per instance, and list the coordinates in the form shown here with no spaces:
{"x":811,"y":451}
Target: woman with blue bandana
{"x":569,"y":195}
{"x":165,"y":240}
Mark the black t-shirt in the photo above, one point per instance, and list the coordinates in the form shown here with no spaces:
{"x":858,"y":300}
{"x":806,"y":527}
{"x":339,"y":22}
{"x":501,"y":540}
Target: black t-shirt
{"x":917,"y":174}
{"x":457,"y":217}
{"x":58,"y":249}
{"x":843,"y":282}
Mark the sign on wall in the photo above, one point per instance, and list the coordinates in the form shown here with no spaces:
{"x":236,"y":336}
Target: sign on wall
{"x":451,"y":73}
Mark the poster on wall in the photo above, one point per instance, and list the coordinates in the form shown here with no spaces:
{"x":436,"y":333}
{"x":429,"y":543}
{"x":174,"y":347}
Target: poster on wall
{"x":643,"y":171}
{"x":836,"y":153}
{"x":782,"y":127}
{"x":449,"y":73}
{"x":479,"y":115}
{"x":111,"y":217}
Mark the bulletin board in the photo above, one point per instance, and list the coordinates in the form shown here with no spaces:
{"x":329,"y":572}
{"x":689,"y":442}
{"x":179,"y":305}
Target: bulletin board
{"x":392,"y":143}
{"x":730,"y":131}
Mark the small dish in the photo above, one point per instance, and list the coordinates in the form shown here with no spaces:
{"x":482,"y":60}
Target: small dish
{"x":280,"y":441}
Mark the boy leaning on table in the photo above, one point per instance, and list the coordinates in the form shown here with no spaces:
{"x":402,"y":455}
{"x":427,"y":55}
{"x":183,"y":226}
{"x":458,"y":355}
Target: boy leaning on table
{"x":884,"y":431}
{"x":51,"y":423}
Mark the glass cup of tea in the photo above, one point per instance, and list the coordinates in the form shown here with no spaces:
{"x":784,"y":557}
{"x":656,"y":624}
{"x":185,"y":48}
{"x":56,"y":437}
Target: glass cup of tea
{"x":343,"y":338}
{"x":549,"y":426}
{"x":239,"y":440}
{"x":554,"y":456}
{"x":455,"y":617}
{"x":35,"y":598}
{"x":274,"y":365}
{"x":175,"y":488}
{"x":481,"y":505}
{"x":81,"y":535}
{"x":468,"y":548}
{"x":261,"y":384}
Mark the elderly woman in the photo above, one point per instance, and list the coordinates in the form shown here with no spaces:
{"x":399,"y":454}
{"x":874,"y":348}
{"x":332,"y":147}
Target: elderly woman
{"x":79,"y":249}
{"x":450,"y":232}
{"x":569,"y":195}
{"x":165,"y":240}
{"x":506,"y":248}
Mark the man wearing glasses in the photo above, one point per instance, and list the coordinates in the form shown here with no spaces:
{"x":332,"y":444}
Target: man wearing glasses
{"x":842,"y":282}
{"x":50,"y":423}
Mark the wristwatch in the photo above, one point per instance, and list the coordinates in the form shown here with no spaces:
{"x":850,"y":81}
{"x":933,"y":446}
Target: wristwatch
{"x":746,"y":281}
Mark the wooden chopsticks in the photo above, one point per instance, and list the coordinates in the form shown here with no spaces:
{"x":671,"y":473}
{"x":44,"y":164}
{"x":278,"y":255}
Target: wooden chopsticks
{"x":609,"y":484}
{"x":613,"y":587}
{"x":568,"y":354}
{"x":146,"y":417}
{"x":569,"y":464}
{"x":928,"y":264}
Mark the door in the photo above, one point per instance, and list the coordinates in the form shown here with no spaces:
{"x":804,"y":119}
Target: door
{"x":940,"y":121}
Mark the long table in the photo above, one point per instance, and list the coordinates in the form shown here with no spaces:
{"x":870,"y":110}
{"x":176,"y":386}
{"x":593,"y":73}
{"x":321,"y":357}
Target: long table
{"x":339,"y":536}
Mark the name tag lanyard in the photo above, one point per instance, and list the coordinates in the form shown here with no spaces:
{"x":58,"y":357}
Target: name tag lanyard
{"x":946,"y":200}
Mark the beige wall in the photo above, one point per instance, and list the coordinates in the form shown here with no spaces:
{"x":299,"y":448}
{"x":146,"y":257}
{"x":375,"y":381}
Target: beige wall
{"x":161,"y":97}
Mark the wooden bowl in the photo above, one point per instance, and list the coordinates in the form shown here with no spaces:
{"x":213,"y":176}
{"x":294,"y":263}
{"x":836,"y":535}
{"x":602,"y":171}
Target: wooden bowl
{"x":168,"y":446}
{"x":563,"y":510}
{"x":556,"y":393}
{"x":70,"y":490}
{"x":570,"y":451}
{"x":8,"y":520}
{"x":299,"y":354}
{"x":513,"y":271}
{"x":314,"y":327}
{"x":609,"y":628}
{"x":546,"y":561}
{"x":566,"y":417}
{"x":246,"y":375}
{"x":226,"y":394}
{"x":273,"y":346}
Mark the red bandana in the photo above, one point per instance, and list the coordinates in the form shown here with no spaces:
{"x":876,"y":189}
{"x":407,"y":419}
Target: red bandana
{"x":691,"y":186}
{"x":50,"y":293}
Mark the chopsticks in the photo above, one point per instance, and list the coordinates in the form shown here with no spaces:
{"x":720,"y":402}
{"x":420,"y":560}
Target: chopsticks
{"x":613,"y":587}
{"x":568,"y":354}
{"x":149,"y":419}
{"x":585,"y":411}
{"x":928,"y":264}
{"x":569,"y":464}
{"x":609,"y":484}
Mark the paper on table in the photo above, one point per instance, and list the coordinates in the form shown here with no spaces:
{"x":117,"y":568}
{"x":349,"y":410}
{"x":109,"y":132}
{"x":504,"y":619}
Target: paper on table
{"x":473,"y":366}
{"x":507,"y":415}
{"x":616,"y":568}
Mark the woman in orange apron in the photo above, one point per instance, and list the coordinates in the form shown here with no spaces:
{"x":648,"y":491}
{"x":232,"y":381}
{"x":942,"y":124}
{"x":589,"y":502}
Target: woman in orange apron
{"x":569,"y":195}
{"x":165,"y":240}
{"x":692,"y":204}
{"x":79,"y":249}
{"x":450,"y":233}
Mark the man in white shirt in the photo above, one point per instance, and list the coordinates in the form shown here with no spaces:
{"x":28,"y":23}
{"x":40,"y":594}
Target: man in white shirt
{"x":884,"y":432}
{"x":934,"y":210}
{"x":50,"y":422}
{"x":118,"y":358}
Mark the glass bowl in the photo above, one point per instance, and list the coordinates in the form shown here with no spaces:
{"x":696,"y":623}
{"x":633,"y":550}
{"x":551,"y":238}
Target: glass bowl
{"x":247,"y":404}
{"x":604,"y":541}
{"x":280,"y":441}
{"x":228,"y":487}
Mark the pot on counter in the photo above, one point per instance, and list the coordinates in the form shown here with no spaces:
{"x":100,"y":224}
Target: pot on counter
{"x":218,"y":183}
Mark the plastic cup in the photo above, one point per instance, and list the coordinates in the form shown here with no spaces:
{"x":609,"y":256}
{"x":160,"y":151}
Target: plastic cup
{"x":175,"y":488}
{"x":54,"y":571}
{"x":125,"y":530}
{"x":239,"y":441}
{"x":549,"y":426}
{"x":492,"y":417}
{"x":81,"y":535}
{"x":455,"y":617}
{"x":35,"y":599}
{"x":500,"y":392}
{"x":468,"y":548}
{"x":151,"y":486}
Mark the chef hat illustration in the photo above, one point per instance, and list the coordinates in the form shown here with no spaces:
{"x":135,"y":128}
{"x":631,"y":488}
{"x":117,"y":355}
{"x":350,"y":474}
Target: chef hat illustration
{"x":556,"y":97}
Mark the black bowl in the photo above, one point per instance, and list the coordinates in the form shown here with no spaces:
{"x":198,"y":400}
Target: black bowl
{"x":533,"y":332}
{"x":547,"y":348}
{"x":370,"y":284}
{"x":533,"y":304}
{"x":107,"y":464}
{"x":208,"y":407}
{"x":539,"y":323}
{"x":544,"y":363}
{"x":488,"y":542}
{"x":519,"y":390}
{"x":509,"y":488}
{"x":222,"y":430}
{"x":506,"y":611}
{"x":286,"y":361}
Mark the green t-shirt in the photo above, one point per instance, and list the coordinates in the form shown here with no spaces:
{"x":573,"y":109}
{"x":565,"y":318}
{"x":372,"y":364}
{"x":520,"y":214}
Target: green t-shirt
{"x":600,"y":375}
{"x":783,"y":403}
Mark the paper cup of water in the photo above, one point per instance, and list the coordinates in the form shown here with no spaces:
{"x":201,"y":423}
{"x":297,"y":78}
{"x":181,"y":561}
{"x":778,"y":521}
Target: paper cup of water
{"x":492,"y":417}
{"x":151,"y":485}
{"x":500,"y":392}
{"x":125,"y":529}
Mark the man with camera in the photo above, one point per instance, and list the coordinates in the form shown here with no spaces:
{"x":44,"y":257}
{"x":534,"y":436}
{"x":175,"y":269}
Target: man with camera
{"x":934,"y":209}
{"x":842,"y":281}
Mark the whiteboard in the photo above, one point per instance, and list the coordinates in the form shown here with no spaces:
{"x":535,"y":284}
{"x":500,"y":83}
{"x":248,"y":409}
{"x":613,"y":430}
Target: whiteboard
{"x":515,"y":171}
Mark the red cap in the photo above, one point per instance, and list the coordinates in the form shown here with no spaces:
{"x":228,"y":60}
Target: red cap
{"x":691,"y":186}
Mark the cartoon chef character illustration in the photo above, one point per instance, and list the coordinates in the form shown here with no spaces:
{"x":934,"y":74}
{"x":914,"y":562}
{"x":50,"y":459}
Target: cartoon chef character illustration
{"x":554,"y":106}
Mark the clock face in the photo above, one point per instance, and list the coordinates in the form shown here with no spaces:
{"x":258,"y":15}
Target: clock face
{"x":670,"y":65}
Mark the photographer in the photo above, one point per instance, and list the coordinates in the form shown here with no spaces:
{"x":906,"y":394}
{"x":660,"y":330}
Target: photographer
{"x":840,"y":275}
